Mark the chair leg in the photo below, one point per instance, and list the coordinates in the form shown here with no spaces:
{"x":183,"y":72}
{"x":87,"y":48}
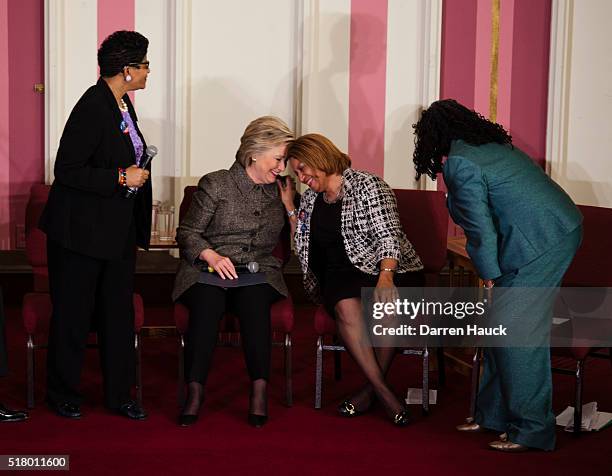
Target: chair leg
{"x":441,"y":366}
{"x":288,"y":371}
{"x":475,"y":381}
{"x":138,"y":369}
{"x":30,"y":372}
{"x":319,"y":373}
{"x":181,"y":372}
{"x":337,"y":361}
{"x":578,"y":401}
{"x":425,"y":397}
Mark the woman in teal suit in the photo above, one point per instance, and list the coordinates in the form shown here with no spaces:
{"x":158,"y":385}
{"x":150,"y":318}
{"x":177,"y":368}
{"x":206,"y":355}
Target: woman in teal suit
{"x":522,"y":231}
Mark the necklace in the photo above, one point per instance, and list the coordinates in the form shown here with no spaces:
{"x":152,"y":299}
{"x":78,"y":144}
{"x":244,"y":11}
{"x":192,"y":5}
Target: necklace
{"x":339,"y":193}
{"x":122,"y":105}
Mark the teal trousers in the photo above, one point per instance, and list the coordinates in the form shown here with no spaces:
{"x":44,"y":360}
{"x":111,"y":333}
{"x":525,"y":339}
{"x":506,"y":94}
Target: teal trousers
{"x":515,"y":393}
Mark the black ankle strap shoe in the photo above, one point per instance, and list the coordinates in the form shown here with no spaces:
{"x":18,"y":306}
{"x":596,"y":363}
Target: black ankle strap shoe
{"x":402,"y":418}
{"x":347,"y":409}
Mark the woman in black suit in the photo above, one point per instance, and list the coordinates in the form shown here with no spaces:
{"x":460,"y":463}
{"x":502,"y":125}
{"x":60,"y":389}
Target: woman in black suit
{"x":93,"y":229}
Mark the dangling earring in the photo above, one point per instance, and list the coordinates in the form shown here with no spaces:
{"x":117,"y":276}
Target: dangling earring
{"x":128,"y":77}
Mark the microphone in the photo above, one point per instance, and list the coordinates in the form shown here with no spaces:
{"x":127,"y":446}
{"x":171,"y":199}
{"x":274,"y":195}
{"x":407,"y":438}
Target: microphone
{"x":250,"y":267}
{"x":149,"y":154}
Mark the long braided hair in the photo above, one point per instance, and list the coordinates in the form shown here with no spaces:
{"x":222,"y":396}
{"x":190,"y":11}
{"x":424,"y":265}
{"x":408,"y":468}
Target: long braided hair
{"x":444,"y":121}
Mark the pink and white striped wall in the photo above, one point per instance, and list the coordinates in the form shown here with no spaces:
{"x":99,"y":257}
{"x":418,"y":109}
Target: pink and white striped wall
{"x":22,"y":160}
{"x":114,"y":15}
{"x":521,"y":77}
{"x":21,"y":113}
{"x":368,"y":69}
{"x":494,"y":58}
{"x":361,"y":81}
{"x":515,"y":36}
{"x":5,"y":215}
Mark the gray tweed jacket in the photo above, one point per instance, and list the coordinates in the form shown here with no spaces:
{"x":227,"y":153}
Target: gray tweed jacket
{"x":235,"y":217}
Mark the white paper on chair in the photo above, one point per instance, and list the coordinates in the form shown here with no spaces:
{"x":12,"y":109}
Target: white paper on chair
{"x":592,"y":420}
{"x":415,"y":396}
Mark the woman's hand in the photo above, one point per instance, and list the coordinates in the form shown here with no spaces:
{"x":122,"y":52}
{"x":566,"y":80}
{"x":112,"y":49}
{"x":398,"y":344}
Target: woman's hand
{"x":221,"y":264}
{"x":385,"y":290}
{"x":287,"y":192}
{"x":135,"y":176}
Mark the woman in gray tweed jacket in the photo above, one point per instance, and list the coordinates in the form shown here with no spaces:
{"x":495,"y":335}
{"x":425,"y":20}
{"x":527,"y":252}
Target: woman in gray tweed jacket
{"x":236,"y":217}
{"x":348,"y":236}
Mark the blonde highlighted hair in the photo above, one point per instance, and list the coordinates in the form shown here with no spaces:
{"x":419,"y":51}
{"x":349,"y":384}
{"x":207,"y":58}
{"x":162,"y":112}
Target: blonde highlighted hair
{"x":260,"y":135}
{"x":318,"y":152}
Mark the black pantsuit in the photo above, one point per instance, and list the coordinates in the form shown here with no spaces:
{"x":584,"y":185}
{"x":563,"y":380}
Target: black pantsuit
{"x":90,"y":293}
{"x":207,"y":304}
{"x":92,"y":233}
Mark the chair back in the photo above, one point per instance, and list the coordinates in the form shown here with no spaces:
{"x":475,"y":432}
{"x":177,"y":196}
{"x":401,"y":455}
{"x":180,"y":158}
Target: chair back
{"x":424,"y":218}
{"x":592,"y":265}
{"x":186,"y":202}
{"x":282,"y":251}
{"x":36,"y":239}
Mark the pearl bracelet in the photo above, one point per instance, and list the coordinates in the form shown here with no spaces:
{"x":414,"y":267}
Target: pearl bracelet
{"x":291,"y":213}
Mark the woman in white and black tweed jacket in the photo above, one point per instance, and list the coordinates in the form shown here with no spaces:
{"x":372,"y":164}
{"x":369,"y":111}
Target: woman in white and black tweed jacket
{"x":348,"y":236}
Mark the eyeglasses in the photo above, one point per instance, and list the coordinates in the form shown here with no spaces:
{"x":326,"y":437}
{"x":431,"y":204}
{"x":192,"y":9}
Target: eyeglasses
{"x":138,"y":65}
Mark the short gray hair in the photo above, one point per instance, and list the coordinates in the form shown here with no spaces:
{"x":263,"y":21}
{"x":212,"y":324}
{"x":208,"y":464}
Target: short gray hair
{"x":260,"y":135}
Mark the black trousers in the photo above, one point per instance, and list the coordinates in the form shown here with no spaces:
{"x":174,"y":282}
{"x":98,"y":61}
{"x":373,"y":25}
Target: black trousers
{"x":207,"y":304}
{"x":90,"y":294}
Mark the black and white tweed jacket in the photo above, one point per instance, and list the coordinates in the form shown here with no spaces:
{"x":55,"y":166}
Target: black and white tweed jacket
{"x":370,"y":227}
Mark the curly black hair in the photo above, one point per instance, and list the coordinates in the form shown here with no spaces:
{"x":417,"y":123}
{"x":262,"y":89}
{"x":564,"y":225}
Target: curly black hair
{"x":119,"y":49}
{"x":447,"y":120}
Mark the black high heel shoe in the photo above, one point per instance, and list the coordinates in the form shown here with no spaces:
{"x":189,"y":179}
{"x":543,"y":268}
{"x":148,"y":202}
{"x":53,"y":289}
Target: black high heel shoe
{"x":258,"y":421}
{"x":402,"y":418}
{"x":188,"y":419}
{"x":347,"y":409}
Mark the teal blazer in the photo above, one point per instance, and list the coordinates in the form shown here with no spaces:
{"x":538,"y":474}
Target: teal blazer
{"x":510,"y":210}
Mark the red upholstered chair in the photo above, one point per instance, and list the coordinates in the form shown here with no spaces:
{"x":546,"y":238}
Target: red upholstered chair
{"x":424,"y":218}
{"x":592,"y":267}
{"x":36,"y":309}
{"x":281,"y":314}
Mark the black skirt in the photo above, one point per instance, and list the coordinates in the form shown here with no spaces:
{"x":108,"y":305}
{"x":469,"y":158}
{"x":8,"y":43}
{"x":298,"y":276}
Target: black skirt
{"x":338,"y":278}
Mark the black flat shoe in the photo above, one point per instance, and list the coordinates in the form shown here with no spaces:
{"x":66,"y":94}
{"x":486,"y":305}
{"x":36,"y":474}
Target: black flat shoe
{"x":257,"y":421}
{"x":187,"y":420}
{"x":65,"y":409}
{"x":6,"y":414}
{"x":132,"y":410}
{"x":402,"y":418}
{"x":347,"y":409}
